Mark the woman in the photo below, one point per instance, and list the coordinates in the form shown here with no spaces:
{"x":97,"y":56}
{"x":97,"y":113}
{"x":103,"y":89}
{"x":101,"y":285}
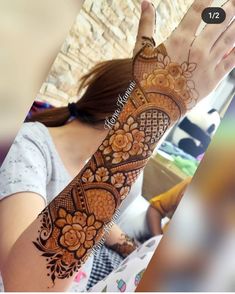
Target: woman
{"x":78,"y":207}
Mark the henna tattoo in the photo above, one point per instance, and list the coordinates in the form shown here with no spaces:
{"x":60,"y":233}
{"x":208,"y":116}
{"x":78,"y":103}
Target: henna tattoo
{"x":125,"y":247}
{"x":75,"y":221}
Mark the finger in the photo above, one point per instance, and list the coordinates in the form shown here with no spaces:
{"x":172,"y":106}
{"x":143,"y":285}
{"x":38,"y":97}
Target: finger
{"x":224,"y":44}
{"x":146,"y":24}
{"x":212,"y":32}
{"x":226,"y":65}
{"x":192,"y":18}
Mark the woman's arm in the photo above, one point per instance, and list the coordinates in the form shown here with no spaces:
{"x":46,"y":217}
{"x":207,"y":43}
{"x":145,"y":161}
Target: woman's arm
{"x":65,"y":233}
{"x":154,"y":219}
{"x":13,"y":222}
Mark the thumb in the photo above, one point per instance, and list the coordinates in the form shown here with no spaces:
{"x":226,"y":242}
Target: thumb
{"x":146,"y":25}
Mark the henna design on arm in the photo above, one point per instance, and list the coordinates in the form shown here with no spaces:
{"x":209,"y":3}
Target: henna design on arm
{"x":74,"y":222}
{"x":125,"y":246}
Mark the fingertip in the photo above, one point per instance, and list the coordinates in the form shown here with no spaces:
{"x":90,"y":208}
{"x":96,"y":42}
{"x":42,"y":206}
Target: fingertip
{"x":144,"y":5}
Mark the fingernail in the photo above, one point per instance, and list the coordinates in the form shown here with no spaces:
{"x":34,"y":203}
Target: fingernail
{"x":144,"y":5}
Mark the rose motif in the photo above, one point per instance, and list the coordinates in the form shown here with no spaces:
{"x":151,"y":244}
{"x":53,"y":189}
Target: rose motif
{"x":137,"y":148}
{"x":78,"y":232}
{"x":72,"y":237}
{"x":180,"y":84}
{"x":121,"y":141}
{"x":138,"y":136}
{"x":102,"y":174}
{"x":174,"y":70}
{"x":161,"y":80}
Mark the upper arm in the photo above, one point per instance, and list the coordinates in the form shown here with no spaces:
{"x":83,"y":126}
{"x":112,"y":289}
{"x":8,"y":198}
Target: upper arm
{"x":23,"y":180}
{"x":17,"y":212}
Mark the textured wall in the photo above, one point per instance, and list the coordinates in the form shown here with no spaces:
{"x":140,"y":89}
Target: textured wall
{"x":104,"y":29}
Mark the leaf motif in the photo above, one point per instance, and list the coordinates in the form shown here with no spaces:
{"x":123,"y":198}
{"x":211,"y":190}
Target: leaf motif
{"x":47,"y":254}
{"x":130,"y":120}
{"x":160,"y":57}
{"x":62,"y":212}
{"x":192,"y":67}
{"x":161,"y":65}
{"x":69,"y":218}
{"x":166,"y":60}
{"x":184,"y":66}
{"x":57,"y":269}
{"x":63,"y":263}
{"x":52,"y":262}
{"x":61,"y":222}
{"x":53,"y":278}
{"x":187,"y":74}
{"x":90,"y":220}
{"x":190,"y":84}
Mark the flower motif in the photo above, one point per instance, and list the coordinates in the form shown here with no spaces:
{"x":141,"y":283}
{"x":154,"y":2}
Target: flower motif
{"x":78,"y":231}
{"x":124,"y":192}
{"x":102,"y":174}
{"x":174,"y":70}
{"x":121,"y":141}
{"x":180,"y":84}
{"x":138,"y":136}
{"x":87,"y":176}
{"x":130,"y":124}
{"x":137,"y":148}
{"x":159,"y":78}
{"x":118,"y":180}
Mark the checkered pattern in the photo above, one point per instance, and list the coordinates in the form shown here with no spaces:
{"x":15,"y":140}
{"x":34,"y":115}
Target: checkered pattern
{"x":153,"y":123}
{"x":105,"y":261}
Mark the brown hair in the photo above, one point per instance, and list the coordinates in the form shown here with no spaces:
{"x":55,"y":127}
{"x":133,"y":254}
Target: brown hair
{"x":102,"y":86}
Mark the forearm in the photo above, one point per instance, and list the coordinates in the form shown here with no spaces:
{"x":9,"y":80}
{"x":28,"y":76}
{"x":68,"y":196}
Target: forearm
{"x":74,"y":222}
{"x":154,"y":219}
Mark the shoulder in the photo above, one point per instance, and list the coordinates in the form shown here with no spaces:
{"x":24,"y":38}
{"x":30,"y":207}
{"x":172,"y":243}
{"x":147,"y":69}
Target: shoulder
{"x":31,"y":147}
{"x":34,"y":131}
{"x":33,"y":136}
{"x":27,"y":166}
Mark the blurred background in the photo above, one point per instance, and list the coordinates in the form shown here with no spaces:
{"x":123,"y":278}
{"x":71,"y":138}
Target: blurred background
{"x":197,"y":251}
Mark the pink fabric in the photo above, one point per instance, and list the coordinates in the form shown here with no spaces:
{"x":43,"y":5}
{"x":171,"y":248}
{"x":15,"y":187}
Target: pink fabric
{"x":81,"y":275}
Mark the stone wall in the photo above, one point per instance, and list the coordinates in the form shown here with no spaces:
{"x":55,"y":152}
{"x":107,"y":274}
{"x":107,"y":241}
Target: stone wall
{"x":104,"y":29}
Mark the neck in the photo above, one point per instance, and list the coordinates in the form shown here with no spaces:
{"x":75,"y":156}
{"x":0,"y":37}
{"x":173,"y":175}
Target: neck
{"x":77,"y":141}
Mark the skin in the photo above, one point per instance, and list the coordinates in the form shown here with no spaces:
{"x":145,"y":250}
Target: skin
{"x":37,"y":278}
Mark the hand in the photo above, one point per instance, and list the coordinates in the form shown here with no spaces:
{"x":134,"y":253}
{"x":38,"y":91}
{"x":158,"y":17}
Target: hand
{"x":186,"y":66}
